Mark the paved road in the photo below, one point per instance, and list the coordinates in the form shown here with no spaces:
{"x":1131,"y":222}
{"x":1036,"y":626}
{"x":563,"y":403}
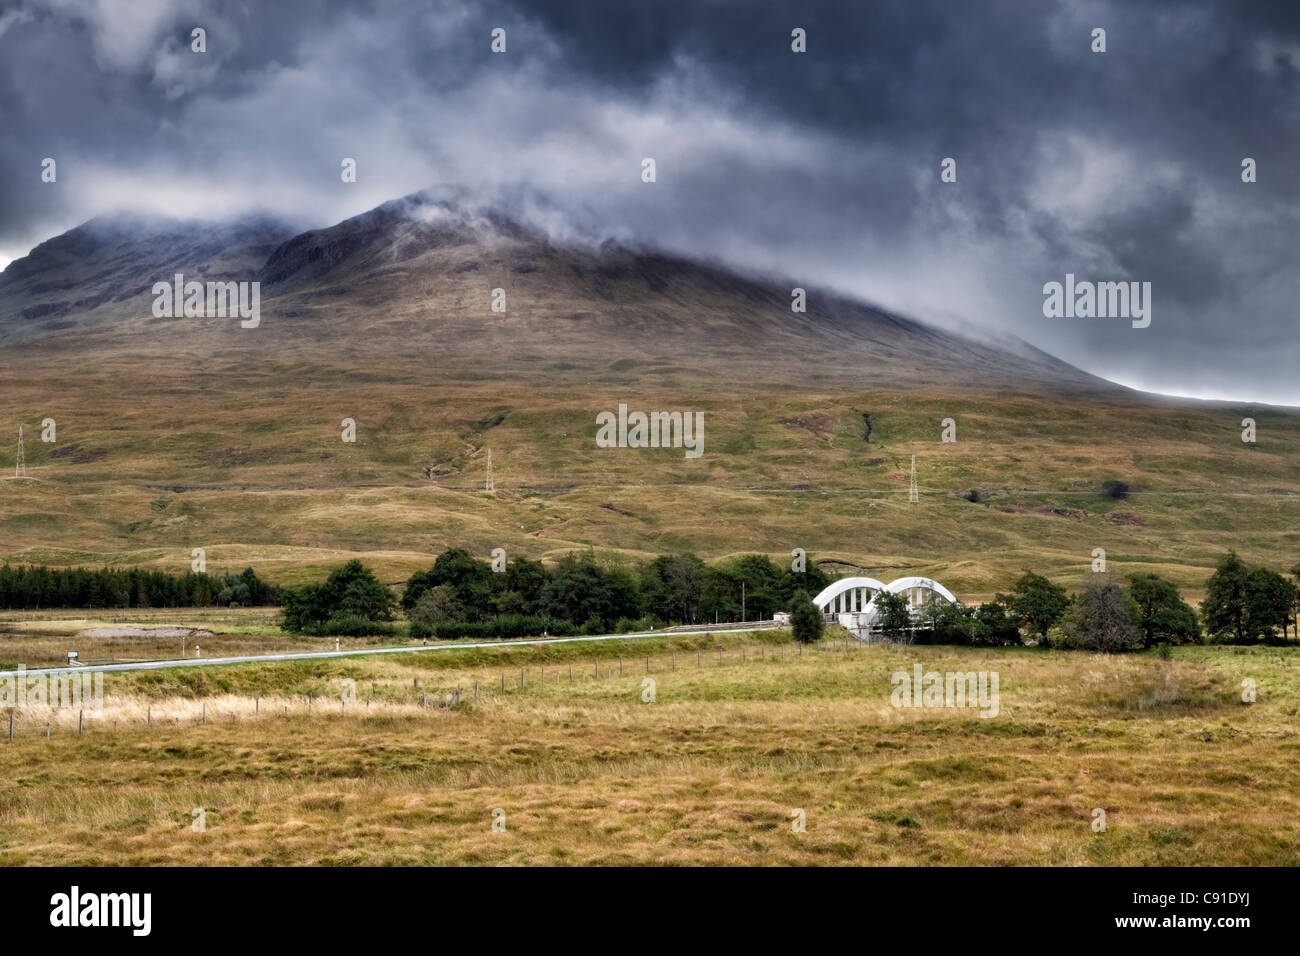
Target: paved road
{"x":320,"y":655}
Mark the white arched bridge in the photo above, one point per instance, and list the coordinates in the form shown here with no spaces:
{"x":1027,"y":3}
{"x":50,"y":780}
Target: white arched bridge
{"x":852,"y":601}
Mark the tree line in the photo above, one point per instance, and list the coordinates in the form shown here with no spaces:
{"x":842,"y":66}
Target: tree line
{"x":30,"y":587}
{"x":1242,"y":605}
{"x":461,"y":595}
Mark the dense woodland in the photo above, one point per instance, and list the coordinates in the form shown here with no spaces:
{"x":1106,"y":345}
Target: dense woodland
{"x":36,"y":586}
{"x":461,"y":596}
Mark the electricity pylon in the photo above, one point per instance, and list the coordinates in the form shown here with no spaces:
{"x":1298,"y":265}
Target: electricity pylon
{"x":20,"y":470}
{"x":490,"y":485}
{"x":911,"y":491}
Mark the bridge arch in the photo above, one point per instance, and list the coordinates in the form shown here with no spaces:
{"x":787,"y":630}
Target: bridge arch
{"x":921,"y":591}
{"x":848,"y":595}
{"x":852,"y":601}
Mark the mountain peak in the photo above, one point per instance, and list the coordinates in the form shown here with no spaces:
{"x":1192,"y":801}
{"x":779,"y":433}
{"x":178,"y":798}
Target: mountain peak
{"x":439,"y":270}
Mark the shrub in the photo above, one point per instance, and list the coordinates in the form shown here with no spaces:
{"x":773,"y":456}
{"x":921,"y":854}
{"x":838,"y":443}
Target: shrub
{"x":994,"y":627}
{"x":945,"y":624}
{"x":806,"y":621}
{"x":1115,"y":489}
{"x":505,"y":627}
{"x":436,"y":606}
{"x":354,"y":625}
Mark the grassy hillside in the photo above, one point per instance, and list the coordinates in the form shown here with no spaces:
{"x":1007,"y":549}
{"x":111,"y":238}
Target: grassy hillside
{"x":247,"y":462}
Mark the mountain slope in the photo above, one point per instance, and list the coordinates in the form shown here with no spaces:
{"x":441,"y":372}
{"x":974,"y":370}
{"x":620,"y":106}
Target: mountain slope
{"x":418,"y":274}
{"x":183,"y":433}
{"x":101,"y":272}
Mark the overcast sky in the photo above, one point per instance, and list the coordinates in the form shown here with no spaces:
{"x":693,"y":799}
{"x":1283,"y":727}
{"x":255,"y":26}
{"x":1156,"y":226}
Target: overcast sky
{"x":824,"y":166}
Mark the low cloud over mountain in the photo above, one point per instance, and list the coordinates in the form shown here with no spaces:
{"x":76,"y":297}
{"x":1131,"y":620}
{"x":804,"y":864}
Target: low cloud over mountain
{"x":1122,"y":165}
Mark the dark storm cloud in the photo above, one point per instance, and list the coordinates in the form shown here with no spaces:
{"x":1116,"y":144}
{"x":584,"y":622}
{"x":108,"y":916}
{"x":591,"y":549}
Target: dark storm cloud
{"x":822,"y":166}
